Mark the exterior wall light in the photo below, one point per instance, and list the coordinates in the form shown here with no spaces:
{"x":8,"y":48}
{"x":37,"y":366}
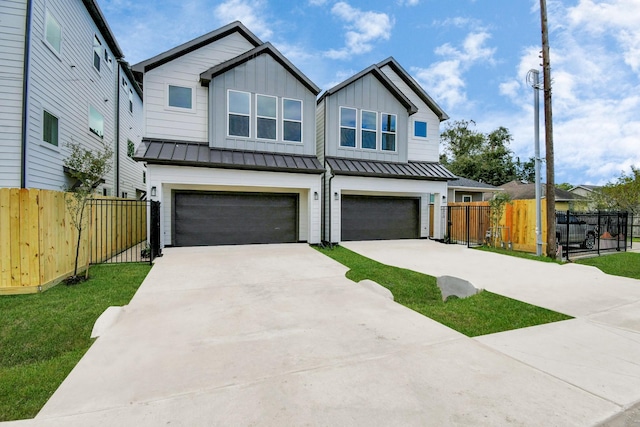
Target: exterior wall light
{"x":153,"y":192}
{"x":315,"y":195}
{"x":336,"y":196}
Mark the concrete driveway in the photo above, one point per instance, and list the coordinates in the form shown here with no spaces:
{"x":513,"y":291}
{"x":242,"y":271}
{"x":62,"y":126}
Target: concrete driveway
{"x":276,"y":335}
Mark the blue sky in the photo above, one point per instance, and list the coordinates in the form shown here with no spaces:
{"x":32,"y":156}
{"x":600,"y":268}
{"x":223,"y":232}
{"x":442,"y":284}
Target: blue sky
{"x":471,"y":56}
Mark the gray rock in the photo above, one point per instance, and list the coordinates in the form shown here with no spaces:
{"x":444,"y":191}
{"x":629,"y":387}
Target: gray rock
{"x":375,"y":287}
{"x":454,"y":286}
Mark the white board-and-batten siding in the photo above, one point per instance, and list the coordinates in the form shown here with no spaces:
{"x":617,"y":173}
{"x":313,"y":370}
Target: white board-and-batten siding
{"x":169,"y":178}
{"x":66,"y":84}
{"x":161,"y":121}
{"x":265,"y":76}
{"x":419,"y":149}
{"x":12,"y":38}
{"x":131,"y":172}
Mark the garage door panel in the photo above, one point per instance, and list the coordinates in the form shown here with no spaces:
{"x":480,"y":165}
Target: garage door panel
{"x":202,"y":218}
{"x":379,"y":218}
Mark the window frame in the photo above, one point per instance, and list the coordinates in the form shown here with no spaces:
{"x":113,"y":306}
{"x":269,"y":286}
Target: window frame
{"x":97,"y":52}
{"x":258,"y":116}
{"x":426,"y":129}
{"x":465,"y":197}
{"x":228,"y":114}
{"x":341,"y":126}
{"x":362,"y":130}
{"x":91,"y":131}
{"x":178,"y":108}
{"x":131,"y":101}
{"x":45,"y":38}
{"x":131,"y":148}
{"x":286,"y":120}
{"x":383,"y":132}
{"x":44,"y":141}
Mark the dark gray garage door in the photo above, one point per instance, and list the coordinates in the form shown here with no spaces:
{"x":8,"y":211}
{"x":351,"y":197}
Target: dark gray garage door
{"x":203,"y":218}
{"x":379,"y":218}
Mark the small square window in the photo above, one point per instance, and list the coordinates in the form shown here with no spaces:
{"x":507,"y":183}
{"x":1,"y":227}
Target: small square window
{"x":97,"y":52}
{"x":49,"y":128}
{"x":53,"y":32}
{"x":466,"y":198}
{"x":180,"y":97}
{"x":420,"y":129}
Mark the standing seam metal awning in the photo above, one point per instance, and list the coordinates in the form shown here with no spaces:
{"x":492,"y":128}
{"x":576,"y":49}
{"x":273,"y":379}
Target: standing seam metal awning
{"x":412,"y":170}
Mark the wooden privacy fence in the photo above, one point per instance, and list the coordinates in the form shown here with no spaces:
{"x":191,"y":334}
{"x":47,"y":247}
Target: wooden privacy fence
{"x":38,"y":239}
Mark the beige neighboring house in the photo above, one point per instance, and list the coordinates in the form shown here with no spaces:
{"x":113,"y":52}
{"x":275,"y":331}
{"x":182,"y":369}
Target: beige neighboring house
{"x":464,"y":190}
{"x":584,"y":190}
{"x":565,"y":200}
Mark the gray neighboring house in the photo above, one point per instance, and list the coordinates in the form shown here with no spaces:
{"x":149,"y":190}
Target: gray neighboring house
{"x":564,"y":199}
{"x":64,"y":79}
{"x":229,"y":142}
{"x":378,"y":138}
{"x":584,"y":190}
{"x":464,"y":190}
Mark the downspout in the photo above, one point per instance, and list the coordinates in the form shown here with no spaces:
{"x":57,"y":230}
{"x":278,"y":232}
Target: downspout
{"x":117,"y":132}
{"x":25,"y":96}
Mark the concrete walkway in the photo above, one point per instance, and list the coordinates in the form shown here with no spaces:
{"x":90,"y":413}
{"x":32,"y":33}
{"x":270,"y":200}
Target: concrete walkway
{"x":276,"y":335}
{"x":598,"y":351}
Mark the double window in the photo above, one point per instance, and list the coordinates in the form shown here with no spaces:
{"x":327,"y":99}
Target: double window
{"x":373,"y":130}
{"x":266,"y":121}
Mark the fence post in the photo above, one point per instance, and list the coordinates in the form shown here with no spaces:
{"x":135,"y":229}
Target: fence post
{"x":154,"y":231}
{"x":568,"y":229}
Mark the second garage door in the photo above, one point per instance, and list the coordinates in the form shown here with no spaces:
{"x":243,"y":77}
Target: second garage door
{"x":380,"y":218}
{"x":205,"y":218}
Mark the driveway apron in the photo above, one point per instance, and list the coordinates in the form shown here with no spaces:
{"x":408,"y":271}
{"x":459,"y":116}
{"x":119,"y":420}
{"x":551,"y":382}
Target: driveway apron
{"x":276,"y":335}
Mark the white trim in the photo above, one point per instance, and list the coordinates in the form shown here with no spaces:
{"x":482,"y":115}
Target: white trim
{"x":191,"y":110}
{"x":101,"y":138}
{"x":257,"y":116}
{"x":48,"y":12}
{"x":465,"y":197}
{"x":228,"y":113}
{"x":423,"y":138}
{"x":301,"y":121}
{"x":395,"y":133}
{"x":378,"y":139}
{"x":41,"y":140}
{"x":93,"y":53}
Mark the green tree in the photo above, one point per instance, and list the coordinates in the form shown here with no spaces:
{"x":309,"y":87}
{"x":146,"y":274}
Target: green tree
{"x":87,"y":167}
{"x":482,"y":157}
{"x":564,"y":186}
{"x":624,"y":194}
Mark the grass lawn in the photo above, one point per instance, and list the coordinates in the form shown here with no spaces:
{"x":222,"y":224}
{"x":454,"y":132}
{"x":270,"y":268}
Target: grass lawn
{"x":484,"y":313}
{"x":518,"y":254}
{"x":43,"y":336}
{"x":626,"y":264}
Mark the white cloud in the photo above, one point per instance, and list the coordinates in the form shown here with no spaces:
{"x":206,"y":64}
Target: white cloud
{"x":363,"y":29}
{"x":409,"y":2}
{"x":251,"y":14}
{"x":445,"y":79}
{"x":596,"y":92}
{"x":317,"y":2}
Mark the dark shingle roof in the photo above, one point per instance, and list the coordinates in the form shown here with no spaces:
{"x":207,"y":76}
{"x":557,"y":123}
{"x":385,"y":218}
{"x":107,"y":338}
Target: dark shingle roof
{"x":520,"y":191}
{"x":185,"y":153}
{"x":470,"y":183}
{"x":411,"y":170}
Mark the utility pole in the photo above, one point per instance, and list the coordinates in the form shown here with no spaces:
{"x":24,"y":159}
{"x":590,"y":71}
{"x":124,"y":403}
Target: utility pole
{"x":548,"y":135}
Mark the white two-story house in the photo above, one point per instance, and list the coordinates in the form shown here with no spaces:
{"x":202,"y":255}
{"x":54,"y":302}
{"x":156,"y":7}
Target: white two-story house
{"x":229,"y":142}
{"x":64,"y":79}
{"x":378,"y":139}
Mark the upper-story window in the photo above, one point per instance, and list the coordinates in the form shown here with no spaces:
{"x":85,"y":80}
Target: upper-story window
{"x":52,"y":32}
{"x":388,"y":132}
{"x":96,"y":122}
{"x":292,"y":120}
{"x":180,"y":97}
{"x":369,"y":132}
{"x":131,"y":148}
{"x":97,"y":52}
{"x":130,"y":101}
{"x":347,"y":127}
{"x":108,"y":59}
{"x":239,"y":111}
{"x":420,"y":129}
{"x":49,"y":128}
{"x":266,"y":117}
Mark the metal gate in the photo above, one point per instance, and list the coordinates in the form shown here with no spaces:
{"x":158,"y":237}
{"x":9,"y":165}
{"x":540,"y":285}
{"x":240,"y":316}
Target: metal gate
{"x":465,"y":225}
{"x":123,"y":231}
{"x":592,"y":233}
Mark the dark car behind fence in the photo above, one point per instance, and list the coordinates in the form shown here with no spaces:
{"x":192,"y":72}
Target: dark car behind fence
{"x":592,"y":232}
{"x":124,"y":231}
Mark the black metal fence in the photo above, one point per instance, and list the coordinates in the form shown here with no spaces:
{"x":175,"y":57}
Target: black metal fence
{"x":124,"y":231}
{"x":593,"y":232}
{"x":465,"y":225}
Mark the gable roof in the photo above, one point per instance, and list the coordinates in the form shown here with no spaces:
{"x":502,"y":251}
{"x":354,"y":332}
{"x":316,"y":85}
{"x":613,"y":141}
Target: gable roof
{"x":103,"y":26}
{"x":383,"y":78}
{"x":587,"y":187}
{"x":197,"y":154}
{"x":422,"y":94}
{"x":265,"y":48}
{"x":519,"y":191}
{"x":471,"y":184}
{"x":195,"y":44}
